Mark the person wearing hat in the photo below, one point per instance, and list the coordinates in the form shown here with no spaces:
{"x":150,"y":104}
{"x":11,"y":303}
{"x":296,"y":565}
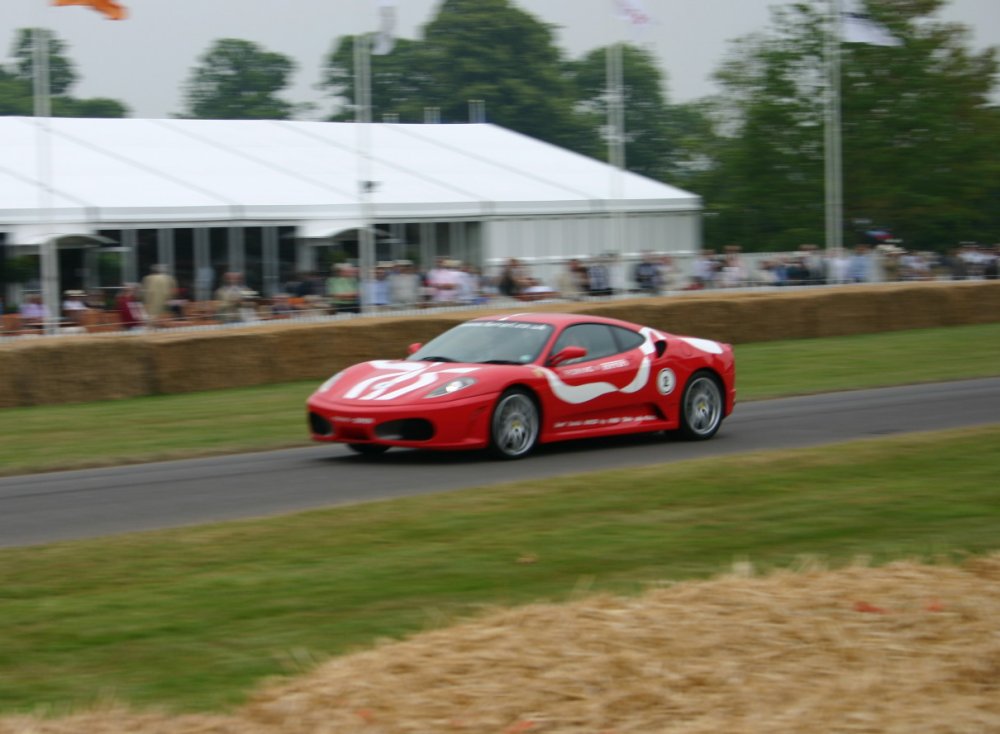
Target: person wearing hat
{"x":74,"y":308}
{"x":230,"y":297}
{"x":157,"y":289}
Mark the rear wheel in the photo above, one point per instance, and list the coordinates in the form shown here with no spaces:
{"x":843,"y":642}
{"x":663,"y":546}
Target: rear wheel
{"x":701,"y":407}
{"x":514,"y":425}
{"x":367,"y":449}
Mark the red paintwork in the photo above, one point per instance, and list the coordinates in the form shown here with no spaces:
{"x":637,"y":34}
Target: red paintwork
{"x":461,"y":421}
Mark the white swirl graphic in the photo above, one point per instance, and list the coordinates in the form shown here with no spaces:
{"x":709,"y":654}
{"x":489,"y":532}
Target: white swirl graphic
{"x":576,"y":394}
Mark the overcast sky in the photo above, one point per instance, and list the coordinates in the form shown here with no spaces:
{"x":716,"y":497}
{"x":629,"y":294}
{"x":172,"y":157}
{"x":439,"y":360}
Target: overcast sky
{"x":144,"y":61}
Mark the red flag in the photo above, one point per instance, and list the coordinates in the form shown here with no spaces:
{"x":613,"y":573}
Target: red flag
{"x":110,"y":9}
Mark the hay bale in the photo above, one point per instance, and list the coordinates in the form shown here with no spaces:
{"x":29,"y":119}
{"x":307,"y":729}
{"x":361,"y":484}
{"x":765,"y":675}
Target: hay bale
{"x":921,"y":306}
{"x":80,"y":369}
{"x":907,"y":647}
{"x":978,"y":301}
{"x":210,"y":360}
{"x":66,"y":370}
{"x":305,"y":352}
{"x":13,"y":375}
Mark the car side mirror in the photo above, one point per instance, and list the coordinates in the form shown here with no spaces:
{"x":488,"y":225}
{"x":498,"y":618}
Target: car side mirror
{"x":412,"y":349}
{"x":565,"y":354}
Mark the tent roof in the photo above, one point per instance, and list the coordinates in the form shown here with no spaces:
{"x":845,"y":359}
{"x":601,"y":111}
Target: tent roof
{"x":105,"y":173}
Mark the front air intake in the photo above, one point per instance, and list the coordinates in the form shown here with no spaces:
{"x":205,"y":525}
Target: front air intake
{"x":320,"y":425}
{"x":409,"y":429}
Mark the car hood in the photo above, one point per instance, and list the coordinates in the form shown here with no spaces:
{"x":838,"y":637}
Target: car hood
{"x":392,"y":382}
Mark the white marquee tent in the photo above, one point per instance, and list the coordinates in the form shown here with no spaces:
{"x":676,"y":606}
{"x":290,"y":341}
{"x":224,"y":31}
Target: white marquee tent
{"x":66,"y":181}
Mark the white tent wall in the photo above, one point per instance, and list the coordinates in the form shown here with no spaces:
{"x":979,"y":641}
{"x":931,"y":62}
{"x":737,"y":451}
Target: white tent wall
{"x":477,"y":192}
{"x":545,"y":244}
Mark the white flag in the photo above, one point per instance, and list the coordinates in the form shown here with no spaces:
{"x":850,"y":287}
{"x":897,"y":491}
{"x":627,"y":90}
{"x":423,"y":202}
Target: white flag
{"x":385,"y":38}
{"x":858,"y":27}
{"x":633,"y":13}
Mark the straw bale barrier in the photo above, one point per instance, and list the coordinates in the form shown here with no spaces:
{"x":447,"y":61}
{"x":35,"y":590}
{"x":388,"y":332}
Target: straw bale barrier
{"x":907,"y":647}
{"x":104,"y":367}
{"x":72,"y":370}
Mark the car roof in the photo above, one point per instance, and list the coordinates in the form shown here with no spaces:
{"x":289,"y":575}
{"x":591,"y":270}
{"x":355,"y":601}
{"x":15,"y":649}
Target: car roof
{"x":558,"y":319}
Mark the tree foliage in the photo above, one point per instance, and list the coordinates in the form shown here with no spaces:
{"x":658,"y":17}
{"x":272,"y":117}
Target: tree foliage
{"x":655,"y":131}
{"x":238,"y":80}
{"x":17,"y":83}
{"x":486,"y":51}
{"x":916,"y":120}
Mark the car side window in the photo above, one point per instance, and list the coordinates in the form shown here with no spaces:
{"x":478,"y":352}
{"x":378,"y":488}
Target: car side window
{"x":627,"y":339}
{"x":597,"y":339}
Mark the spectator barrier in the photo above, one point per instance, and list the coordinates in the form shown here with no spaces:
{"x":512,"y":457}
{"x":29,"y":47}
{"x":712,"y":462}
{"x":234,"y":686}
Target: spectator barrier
{"x":111,"y":366}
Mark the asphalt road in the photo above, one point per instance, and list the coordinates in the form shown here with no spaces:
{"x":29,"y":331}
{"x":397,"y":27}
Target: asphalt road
{"x":45,"y":508}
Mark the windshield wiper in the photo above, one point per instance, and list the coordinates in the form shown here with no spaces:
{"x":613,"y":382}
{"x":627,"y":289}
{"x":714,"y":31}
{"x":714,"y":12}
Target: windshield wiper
{"x":499,"y":361}
{"x":437,"y":359}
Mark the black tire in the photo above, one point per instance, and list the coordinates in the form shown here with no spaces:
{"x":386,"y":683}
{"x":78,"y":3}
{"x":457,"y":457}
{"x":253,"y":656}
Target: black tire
{"x":368,"y":449}
{"x":514,"y":425}
{"x":702,"y":407}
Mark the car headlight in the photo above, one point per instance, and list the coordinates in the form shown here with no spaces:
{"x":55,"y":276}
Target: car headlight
{"x":451,"y":387}
{"x":329,"y":383}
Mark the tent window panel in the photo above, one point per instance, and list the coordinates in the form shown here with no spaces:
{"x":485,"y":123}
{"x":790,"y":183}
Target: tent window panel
{"x":147,"y":248}
{"x":218,"y":256}
{"x":287,"y":254}
{"x":253,"y":258}
{"x":184,"y":259}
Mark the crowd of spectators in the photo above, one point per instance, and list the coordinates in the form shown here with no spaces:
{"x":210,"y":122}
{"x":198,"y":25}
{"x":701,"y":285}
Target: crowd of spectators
{"x":158,"y":302}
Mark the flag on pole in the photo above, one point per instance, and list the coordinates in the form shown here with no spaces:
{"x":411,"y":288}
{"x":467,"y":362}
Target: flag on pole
{"x":110,"y":9}
{"x":385,"y":38}
{"x":858,"y":27}
{"x":634,"y":13}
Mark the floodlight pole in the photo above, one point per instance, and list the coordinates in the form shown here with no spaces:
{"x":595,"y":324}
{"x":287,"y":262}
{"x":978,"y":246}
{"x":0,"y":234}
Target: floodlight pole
{"x":616,"y":148}
{"x":363,"y":113}
{"x":833,"y":148}
{"x":43,"y":152}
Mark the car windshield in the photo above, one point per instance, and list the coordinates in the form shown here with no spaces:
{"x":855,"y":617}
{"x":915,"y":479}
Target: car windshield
{"x":494,"y":342}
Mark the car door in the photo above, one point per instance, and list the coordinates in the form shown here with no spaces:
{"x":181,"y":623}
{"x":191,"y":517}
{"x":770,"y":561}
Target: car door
{"x":606,"y":387}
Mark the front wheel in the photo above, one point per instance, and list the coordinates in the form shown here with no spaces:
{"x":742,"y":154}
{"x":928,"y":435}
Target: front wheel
{"x":701,"y":407}
{"x":514,"y":425}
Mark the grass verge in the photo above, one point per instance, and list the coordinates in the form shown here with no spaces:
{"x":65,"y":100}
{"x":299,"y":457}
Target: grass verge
{"x":191,"y":619}
{"x":173,"y":426}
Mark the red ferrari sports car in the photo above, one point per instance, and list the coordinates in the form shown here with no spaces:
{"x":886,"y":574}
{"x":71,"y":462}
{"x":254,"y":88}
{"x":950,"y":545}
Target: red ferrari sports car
{"x":507,"y":383}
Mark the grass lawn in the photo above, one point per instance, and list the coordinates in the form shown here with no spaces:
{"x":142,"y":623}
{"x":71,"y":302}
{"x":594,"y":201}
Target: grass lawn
{"x":273,"y":416}
{"x":191,"y":619}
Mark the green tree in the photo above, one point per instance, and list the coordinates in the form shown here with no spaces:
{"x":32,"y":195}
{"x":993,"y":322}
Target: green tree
{"x":62,"y":74}
{"x":15,"y":95}
{"x":485,"y":50}
{"x":660,"y":139}
{"x":93,"y":107}
{"x":490,"y":50}
{"x":238,"y":80}
{"x":400,"y":81}
{"x":17,"y":84}
{"x":916,"y":122}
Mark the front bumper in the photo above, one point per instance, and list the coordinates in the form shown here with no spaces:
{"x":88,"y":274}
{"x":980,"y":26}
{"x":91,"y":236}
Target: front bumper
{"x":455,"y":424}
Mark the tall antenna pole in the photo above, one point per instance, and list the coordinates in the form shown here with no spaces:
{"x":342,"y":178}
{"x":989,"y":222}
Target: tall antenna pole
{"x":616,"y":147}
{"x":363,"y":113}
{"x":833,"y":157}
{"x":43,"y":154}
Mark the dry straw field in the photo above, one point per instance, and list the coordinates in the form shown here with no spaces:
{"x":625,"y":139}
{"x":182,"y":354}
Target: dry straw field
{"x":904,"y":648}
